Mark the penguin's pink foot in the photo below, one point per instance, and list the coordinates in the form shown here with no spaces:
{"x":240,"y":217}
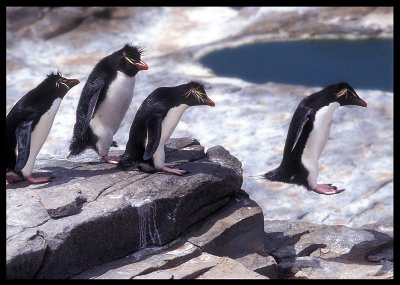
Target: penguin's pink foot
{"x":13,"y":177}
{"x":112,"y":159}
{"x":38,"y":180}
{"x":327,"y":189}
{"x":176,"y":171}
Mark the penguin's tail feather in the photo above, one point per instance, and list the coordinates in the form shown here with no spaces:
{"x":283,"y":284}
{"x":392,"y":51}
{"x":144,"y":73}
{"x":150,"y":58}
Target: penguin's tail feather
{"x":277,"y":175}
{"x":126,"y":161}
{"x":78,"y":145}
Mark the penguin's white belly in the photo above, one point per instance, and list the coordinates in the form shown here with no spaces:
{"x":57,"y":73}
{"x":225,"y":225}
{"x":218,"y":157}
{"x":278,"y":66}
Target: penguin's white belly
{"x":317,"y":140}
{"x":39,"y":135}
{"x":169,"y":124}
{"x":108,"y":117}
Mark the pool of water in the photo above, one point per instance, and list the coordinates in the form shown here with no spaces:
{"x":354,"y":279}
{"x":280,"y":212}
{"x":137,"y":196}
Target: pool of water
{"x":365,"y":64}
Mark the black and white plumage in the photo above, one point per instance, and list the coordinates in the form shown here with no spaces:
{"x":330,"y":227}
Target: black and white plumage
{"x":307,"y":137}
{"x":28,"y":124}
{"x":105,"y":100}
{"x":154,"y":123}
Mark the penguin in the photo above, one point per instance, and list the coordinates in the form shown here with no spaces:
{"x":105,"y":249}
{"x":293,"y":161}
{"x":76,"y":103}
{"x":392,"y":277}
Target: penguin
{"x":307,"y":137}
{"x":104,"y":101}
{"x":28,"y":124}
{"x":154,"y":123}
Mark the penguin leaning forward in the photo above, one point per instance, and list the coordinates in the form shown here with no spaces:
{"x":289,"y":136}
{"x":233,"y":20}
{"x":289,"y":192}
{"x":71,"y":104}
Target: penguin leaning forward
{"x":105,"y":100}
{"x":154,"y":123}
{"x":307,"y":137}
{"x":28,"y":124}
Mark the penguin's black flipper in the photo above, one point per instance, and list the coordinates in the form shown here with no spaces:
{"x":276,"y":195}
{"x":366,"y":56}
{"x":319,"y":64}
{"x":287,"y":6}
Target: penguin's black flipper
{"x":23,"y":135}
{"x":303,"y":122}
{"x":154,"y":134}
{"x":92,"y":107}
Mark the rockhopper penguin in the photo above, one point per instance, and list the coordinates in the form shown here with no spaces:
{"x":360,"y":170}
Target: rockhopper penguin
{"x":307,"y":136}
{"x":154,"y":123}
{"x":28,"y":124}
{"x":104,"y":101}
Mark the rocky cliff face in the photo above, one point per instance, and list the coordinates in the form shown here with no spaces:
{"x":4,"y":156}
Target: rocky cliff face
{"x":249,"y":120}
{"x":93,"y":221}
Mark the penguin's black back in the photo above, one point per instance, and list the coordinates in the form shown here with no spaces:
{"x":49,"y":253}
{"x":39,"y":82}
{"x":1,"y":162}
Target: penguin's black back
{"x":102,"y":74}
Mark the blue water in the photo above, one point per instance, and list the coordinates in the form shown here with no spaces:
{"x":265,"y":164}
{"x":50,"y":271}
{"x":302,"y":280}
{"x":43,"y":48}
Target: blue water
{"x":365,"y":64}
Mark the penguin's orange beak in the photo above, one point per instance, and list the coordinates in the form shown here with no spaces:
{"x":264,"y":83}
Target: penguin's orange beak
{"x":361,"y":102}
{"x":142,"y":65}
{"x":71,"y":82}
{"x":210,"y":102}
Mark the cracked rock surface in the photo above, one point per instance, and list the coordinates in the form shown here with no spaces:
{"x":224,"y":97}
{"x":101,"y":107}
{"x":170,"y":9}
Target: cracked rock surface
{"x":311,"y":251}
{"x":92,"y":213}
{"x":249,"y":120}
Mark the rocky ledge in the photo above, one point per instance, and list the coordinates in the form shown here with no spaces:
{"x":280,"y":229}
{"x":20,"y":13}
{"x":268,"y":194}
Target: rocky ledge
{"x":94,"y":221}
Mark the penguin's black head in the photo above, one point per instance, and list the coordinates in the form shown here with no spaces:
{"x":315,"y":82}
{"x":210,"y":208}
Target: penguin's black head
{"x":196,"y":95}
{"x":130,"y":62}
{"x":345,"y":95}
{"x":58,"y":84}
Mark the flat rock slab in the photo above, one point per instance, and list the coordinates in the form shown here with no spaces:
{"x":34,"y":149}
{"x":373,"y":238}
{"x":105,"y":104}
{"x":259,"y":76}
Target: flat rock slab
{"x":285,"y":239}
{"x":230,"y":239}
{"x":102,"y":213}
{"x":310,"y":267}
{"x":306,"y":250}
{"x":205,"y":266}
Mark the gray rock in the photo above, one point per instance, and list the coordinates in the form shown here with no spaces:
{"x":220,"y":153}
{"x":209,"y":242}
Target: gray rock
{"x":124,"y":210}
{"x":310,"y":267}
{"x":286,"y":239}
{"x":236,"y":231}
{"x":305,"y":250}
{"x":61,"y":202}
{"x":25,"y":254}
{"x":144,"y":261}
{"x":230,"y":269}
{"x":233,"y":232}
{"x":205,"y":266}
{"x":48,"y":22}
{"x":352,"y":158}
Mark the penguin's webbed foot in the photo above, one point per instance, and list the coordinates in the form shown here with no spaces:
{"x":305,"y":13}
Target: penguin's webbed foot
{"x":112,"y":159}
{"x":327,"y":189}
{"x":13,"y":177}
{"x":176,"y":171}
{"x":38,"y":180}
